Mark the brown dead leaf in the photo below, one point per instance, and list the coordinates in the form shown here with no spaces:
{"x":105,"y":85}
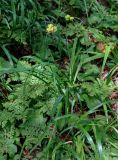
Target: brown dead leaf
{"x":105,"y":74}
{"x":101,"y":47}
{"x":63,"y":62}
{"x":114,"y":96}
{"x":66,"y":137}
{"x":116,"y":80}
{"x":115,"y":107}
{"x":27,"y":154}
{"x":92,"y":39}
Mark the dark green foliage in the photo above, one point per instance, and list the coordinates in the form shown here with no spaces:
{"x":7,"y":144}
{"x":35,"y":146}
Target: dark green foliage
{"x":58,"y":79}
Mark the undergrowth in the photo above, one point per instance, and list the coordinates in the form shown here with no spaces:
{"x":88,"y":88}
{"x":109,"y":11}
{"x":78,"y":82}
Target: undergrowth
{"x":58,"y":80}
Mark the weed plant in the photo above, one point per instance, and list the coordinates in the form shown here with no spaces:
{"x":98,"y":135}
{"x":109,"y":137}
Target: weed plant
{"x":58,"y":80}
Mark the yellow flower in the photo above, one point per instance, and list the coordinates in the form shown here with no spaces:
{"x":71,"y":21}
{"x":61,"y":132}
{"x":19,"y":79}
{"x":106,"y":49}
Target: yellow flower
{"x":51,"y":28}
{"x":69,"y":18}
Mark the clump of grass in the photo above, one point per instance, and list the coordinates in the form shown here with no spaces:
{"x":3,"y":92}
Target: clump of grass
{"x":58,"y":80}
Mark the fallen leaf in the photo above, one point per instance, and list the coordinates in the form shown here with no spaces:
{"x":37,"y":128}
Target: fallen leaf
{"x":101,"y":47}
{"x":92,"y":39}
{"x":114,"y":96}
{"x":105,"y":74}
